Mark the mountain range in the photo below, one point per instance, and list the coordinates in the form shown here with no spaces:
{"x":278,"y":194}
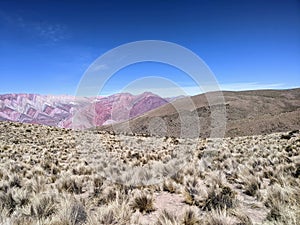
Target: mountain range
{"x":62,"y":111}
{"x":247,"y":112}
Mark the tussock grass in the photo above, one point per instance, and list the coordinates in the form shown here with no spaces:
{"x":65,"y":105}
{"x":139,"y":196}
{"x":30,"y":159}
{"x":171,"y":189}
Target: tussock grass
{"x":167,"y":218}
{"x":245,"y":181}
{"x":143,"y":202}
{"x":221,"y":198}
{"x":190,"y":218}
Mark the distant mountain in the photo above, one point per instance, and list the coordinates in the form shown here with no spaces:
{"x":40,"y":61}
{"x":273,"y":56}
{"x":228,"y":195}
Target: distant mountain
{"x":247,"y":113}
{"x":73,"y":112}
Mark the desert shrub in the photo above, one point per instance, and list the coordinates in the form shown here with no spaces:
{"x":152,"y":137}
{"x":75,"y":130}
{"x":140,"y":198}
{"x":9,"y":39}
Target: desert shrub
{"x":55,"y":169}
{"x":190,"y":218}
{"x":69,"y":184}
{"x":2,"y":173}
{"x":242,"y":217}
{"x":169,"y":186}
{"x":38,"y":170}
{"x":193,"y":192}
{"x":77,"y":214}
{"x":191,"y":196}
{"x":108,"y":195}
{"x":117,"y":212}
{"x":296,"y":174}
{"x":252,"y":185}
{"x":72,"y":212}
{"x":82,"y":170}
{"x":97,"y":184}
{"x":4,"y":186}
{"x":283,"y":215}
{"x":283,"y":195}
{"x":21,"y":197}
{"x":268,"y":173}
{"x":166,"y":218}
{"x":108,"y":217}
{"x":143,"y":203}
{"x":218,"y":217}
{"x":19,"y":221}
{"x":274,"y":213}
{"x":178,"y":177}
{"x":220,"y":198}
{"x":283,"y":203}
{"x":7,"y":202}
{"x":15,"y":181}
{"x":36,"y":185}
{"x":47,"y":165}
{"x":42,"y":206}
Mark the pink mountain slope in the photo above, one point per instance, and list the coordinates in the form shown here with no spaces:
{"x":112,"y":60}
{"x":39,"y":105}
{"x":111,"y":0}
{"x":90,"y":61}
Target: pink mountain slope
{"x":76,"y":112}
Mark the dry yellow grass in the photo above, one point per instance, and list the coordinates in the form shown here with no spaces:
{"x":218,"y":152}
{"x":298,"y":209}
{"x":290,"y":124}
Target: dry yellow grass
{"x":62,"y":177}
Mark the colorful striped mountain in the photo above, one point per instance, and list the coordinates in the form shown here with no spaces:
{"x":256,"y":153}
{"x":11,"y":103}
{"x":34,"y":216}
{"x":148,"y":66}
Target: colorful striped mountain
{"x":76,"y":112}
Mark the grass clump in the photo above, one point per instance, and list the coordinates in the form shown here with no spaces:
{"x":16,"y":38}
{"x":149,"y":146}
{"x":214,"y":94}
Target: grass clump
{"x":221,"y":198}
{"x":190,"y":218}
{"x":143,"y":203}
{"x":167,"y":218}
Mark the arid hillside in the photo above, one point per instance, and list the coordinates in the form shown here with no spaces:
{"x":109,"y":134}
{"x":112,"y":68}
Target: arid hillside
{"x":247,"y":113}
{"x":55,"y":176}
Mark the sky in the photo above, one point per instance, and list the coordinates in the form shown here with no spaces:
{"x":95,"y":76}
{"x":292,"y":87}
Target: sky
{"x":46,"y":47}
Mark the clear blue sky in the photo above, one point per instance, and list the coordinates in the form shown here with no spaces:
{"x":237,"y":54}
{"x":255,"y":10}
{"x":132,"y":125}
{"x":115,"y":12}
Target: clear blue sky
{"x":45,"y":46}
